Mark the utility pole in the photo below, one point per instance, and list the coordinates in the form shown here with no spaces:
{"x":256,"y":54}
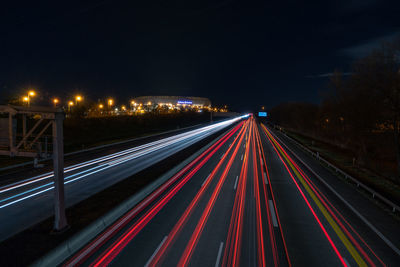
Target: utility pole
{"x":60,"y":221}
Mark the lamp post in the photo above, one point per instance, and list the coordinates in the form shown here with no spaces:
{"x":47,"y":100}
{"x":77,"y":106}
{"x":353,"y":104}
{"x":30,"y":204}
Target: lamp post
{"x":78,"y":98}
{"x":27,"y":99}
{"x":70,"y":104}
{"x":55,"y":102}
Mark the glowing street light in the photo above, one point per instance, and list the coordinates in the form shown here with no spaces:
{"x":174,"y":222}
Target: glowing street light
{"x":78,"y":98}
{"x":110,"y":102}
{"x":27,"y":99}
{"x":70,"y":104}
{"x":101,"y":106}
{"x":55,"y":102}
{"x":123,"y":108}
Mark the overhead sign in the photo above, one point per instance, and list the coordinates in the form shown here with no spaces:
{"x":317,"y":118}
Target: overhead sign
{"x":262,"y":114}
{"x":184,"y":102}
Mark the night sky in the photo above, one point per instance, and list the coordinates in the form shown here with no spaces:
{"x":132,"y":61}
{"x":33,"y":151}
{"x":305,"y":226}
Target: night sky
{"x":240,"y":53}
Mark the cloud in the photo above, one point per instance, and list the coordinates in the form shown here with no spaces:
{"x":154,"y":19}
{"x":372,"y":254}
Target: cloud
{"x":329,"y":74}
{"x":364,"y":48}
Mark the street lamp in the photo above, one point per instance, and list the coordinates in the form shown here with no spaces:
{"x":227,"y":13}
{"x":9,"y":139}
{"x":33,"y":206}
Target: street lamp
{"x":31,"y":93}
{"x":70,"y":104}
{"x":78,"y":98}
{"x":25,"y":99}
{"x":55,"y":102}
{"x":101,"y":106}
{"x":110,"y":102}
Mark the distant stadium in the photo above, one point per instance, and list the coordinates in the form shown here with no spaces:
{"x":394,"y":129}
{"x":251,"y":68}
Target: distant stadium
{"x":192,"y":101}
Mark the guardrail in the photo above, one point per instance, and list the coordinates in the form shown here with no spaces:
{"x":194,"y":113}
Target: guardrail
{"x":347,"y":176}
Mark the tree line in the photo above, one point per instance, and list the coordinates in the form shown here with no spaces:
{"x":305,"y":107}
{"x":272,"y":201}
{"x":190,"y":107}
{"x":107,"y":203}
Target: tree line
{"x":361,"y":111}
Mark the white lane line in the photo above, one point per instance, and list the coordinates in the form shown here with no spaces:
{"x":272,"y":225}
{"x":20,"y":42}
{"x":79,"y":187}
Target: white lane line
{"x":271,"y":207}
{"x":347,"y":263}
{"x":234,"y":187}
{"x":219,"y":254}
{"x":244,"y":146}
{"x":205,"y":180}
{"x":241,"y":157}
{"x":222,"y":156}
{"x":265,"y":178}
{"x":156,"y":251}
{"x":262,"y":163}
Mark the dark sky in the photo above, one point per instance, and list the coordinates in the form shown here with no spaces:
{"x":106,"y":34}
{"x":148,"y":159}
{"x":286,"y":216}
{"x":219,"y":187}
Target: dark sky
{"x":240,"y":53}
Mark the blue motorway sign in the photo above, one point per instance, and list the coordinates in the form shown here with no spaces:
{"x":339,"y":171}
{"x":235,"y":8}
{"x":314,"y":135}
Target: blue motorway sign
{"x":262,"y":114}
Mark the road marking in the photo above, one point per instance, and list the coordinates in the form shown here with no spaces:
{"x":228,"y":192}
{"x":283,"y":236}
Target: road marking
{"x":370,"y":225}
{"x":265,"y":178}
{"x":234,"y":187}
{"x":271,"y":207}
{"x":346,"y":242}
{"x":205,"y":180}
{"x":155,"y":252}
{"x":244,"y":146}
{"x":219,"y":254}
{"x":222,"y":156}
{"x":347,"y":263}
{"x":241,"y":157}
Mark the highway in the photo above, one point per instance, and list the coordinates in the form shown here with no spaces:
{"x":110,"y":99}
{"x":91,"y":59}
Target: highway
{"x":249,"y":201}
{"x":30,"y":200}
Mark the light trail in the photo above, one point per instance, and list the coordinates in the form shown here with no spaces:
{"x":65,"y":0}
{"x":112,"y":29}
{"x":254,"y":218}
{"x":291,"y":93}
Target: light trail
{"x":232,"y":248}
{"x":107,"y":256}
{"x":340,"y":257}
{"x":328,"y":205}
{"x":94,"y":245}
{"x":124,"y":156}
{"x":264,"y":163}
{"x":183,"y":219}
{"x":117,"y":154}
{"x":188,"y":252}
{"x":259,"y":224}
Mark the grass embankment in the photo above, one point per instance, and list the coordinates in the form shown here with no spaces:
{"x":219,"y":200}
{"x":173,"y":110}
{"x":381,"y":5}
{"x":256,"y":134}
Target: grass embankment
{"x":29,"y":245}
{"x":88,"y":132}
{"x":343,"y":159}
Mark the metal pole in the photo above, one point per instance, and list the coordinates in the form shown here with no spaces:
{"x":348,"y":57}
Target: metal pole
{"x":12,"y":134}
{"x":60,"y":221}
{"x":24,"y":128}
{"x":45,"y":146}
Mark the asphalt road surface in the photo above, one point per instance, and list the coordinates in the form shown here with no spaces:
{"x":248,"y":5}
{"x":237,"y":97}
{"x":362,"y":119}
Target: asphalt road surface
{"x":30,"y":200}
{"x":248,"y":201}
